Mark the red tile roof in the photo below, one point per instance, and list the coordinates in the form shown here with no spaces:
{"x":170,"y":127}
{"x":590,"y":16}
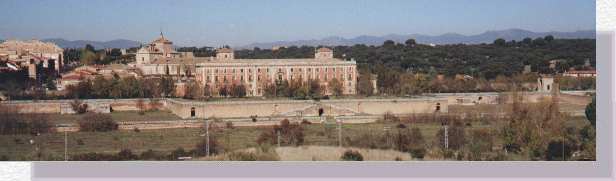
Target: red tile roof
{"x":224,"y":50}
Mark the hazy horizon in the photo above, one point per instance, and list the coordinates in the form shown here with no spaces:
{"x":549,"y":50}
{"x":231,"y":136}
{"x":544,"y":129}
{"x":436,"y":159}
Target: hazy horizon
{"x":238,"y":23}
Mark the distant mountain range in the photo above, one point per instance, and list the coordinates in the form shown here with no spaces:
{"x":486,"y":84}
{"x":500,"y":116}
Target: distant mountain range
{"x":448,"y":38}
{"x":119,"y":43}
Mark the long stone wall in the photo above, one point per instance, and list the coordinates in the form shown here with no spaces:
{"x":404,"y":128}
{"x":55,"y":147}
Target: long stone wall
{"x":342,"y":107}
{"x":280,"y":108}
{"x":94,"y":105}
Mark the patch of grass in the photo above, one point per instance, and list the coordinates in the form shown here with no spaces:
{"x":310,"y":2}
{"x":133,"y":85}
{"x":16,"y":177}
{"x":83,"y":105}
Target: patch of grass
{"x":117,"y":116}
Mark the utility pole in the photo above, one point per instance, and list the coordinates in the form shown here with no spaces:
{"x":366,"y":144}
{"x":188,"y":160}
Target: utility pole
{"x":278,"y":137}
{"x":446,"y":137}
{"x":207,"y":138}
{"x":339,"y":132}
{"x":563,"y":145}
{"x":65,"y":145}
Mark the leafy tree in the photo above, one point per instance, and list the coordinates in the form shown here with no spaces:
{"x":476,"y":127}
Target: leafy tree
{"x":591,"y":112}
{"x":89,"y":48}
{"x":238,"y":90}
{"x":315,"y":89}
{"x":539,"y":42}
{"x":389,"y":43}
{"x":364,"y":83}
{"x":192,"y":91}
{"x":82,"y":90}
{"x":410,"y":43}
{"x":527,"y":41}
{"x":335,"y":87}
{"x":167,"y":86}
{"x":549,"y":38}
{"x":500,"y":42}
{"x":101,"y":87}
{"x":207,"y":91}
{"x":88,"y":57}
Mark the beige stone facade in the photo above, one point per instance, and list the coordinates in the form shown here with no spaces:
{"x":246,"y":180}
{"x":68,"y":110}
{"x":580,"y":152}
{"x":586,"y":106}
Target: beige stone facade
{"x":25,"y":54}
{"x":224,"y":70}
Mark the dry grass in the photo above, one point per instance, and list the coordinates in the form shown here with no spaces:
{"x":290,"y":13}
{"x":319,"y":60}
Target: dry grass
{"x":331,"y":153}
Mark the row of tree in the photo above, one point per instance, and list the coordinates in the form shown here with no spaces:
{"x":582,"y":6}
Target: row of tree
{"x":128,"y":87}
{"x":90,"y":56}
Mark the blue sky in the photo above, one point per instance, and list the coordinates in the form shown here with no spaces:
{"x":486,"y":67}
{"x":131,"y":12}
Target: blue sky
{"x":240,"y":22}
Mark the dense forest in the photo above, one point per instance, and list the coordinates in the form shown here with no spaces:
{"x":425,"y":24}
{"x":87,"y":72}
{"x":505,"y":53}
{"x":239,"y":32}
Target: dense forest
{"x":481,"y":60}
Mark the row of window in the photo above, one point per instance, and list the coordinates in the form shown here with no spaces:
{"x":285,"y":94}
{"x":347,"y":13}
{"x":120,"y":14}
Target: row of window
{"x":280,"y":77}
{"x":350,"y":69}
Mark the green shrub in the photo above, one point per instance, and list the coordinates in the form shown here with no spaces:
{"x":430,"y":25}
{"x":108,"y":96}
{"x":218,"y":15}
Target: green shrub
{"x":97,"y":122}
{"x":351,"y":155}
{"x":152,"y":155}
{"x":557,"y":150}
{"x":418,"y":153}
{"x":126,"y":154}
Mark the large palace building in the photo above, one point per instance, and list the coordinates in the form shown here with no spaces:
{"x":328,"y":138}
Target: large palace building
{"x":224,"y":70}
